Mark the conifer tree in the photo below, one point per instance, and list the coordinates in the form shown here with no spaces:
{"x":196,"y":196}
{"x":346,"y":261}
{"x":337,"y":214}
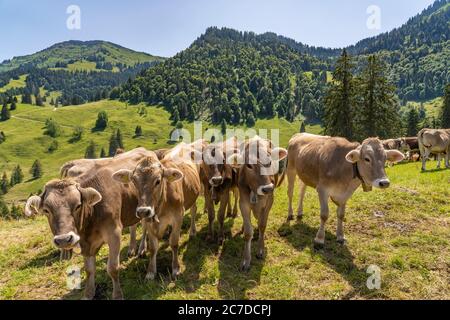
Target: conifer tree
{"x":412,"y":123}
{"x":339,"y":100}
{"x":4,"y":185}
{"x":119,"y":139}
{"x":5,"y":114}
{"x":90,"y":151}
{"x":36,"y":169}
{"x":446,"y":109}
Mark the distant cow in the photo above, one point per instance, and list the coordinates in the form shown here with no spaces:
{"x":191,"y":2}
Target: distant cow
{"x":89,"y":210}
{"x":435,"y":141}
{"x":166,"y":188}
{"x":335,"y":167}
{"x":259,"y":174}
{"x":219,"y":179}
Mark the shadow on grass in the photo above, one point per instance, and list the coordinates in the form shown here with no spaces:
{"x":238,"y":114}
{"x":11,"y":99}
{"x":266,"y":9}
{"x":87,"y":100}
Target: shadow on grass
{"x":45,"y":259}
{"x":338,"y":257}
{"x":433,"y":170}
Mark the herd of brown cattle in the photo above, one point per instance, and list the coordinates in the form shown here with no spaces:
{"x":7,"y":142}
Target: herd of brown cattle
{"x":95,"y":199}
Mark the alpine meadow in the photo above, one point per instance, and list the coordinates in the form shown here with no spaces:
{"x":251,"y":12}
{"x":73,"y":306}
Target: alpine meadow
{"x":105,"y":125}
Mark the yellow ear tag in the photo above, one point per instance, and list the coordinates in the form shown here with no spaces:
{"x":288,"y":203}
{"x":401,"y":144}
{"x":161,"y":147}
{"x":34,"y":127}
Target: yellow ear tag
{"x":171,"y":178}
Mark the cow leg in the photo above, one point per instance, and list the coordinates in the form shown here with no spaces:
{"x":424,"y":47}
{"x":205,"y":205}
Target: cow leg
{"x":211,"y":216}
{"x":262,"y":224}
{"x":425,"y":155}
{"x":248,"y":233}
{"x":89,"y":267}
{"x":193,"y":231}
{"x":153,"y":244}
{"x":228,"y":206}
{"x":224,"y":201}
{"x":113,"y":264}
{"x":133,"y":244}
{"x":300,"y":201}
{"x":291,"y":175}
{"x":340,"y":224}
{"x":174,"y":240}
{"x":319,"y":241}
{"x":439,"y":158}
{"x":143,"y":245}
{"x":447,"y":159}
{"x":236,"y":201}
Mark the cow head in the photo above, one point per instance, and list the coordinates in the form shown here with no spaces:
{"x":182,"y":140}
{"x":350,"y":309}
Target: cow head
{"x":370,"y":158}
{"x":150,"y":178}
{"x":66,"y":205}
{"x":214,"y":165}
{"x":258,"y":165}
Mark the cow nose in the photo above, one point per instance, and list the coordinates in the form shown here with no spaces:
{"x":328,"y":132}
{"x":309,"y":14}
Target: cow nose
{"x":384,"y":183}
{"x":63,"y":240}
{"x":216,"y":180}
{"x":267,"y":189}
{"x":144,"y":212}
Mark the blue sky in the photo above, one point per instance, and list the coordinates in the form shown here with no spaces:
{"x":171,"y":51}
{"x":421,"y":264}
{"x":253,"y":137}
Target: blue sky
{"x":165,"y":27}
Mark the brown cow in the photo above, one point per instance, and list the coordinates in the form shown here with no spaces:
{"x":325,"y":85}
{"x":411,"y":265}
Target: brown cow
{"x":79,"y":167}
{"x":166,"y":189}
{"x":219,"y":179}
{"x":91,"y":210}
{"x":435,"y":141}
{"x":259,"y":175}
{"x":335,"y":167}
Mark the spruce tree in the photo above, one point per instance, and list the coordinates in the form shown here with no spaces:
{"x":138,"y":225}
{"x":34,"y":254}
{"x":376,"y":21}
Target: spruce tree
{"x":102,"y":121}
{"x":412,"y":123}
{"x":223,"y":127}
{"x":13,"y":106}
{"x":90,"y":151}
{"x":302,"y":127}
{"x":5,"y":114}
{"x":36,"y":169}
{"x":339,"y":100}
{"x":377,"y":113}
{"x":16,"y":176}
{"x":250,"y":122}
{"x":446,"y":109}
{"x":138,"y":131}
{"x":4,"y":185}
{"x":119,"y":139}
{"x":2,"y":137}
{"x":113,"y":145}
{"x":102,"y":153}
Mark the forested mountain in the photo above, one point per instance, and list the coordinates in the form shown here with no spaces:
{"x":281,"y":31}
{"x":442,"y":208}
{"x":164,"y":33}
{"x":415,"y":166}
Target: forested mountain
{"x":236,"y":76}
{"x":77,"y":71}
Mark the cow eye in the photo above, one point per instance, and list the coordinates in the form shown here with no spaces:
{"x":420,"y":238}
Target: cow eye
{"x":46,"y":211}
{"x":367,"y":160}
{"x":78,"y":207}
{"x":249,"y":166}
{"x":157,"y":182}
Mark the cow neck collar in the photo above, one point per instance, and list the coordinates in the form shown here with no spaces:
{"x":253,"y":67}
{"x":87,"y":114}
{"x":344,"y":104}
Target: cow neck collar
{"x":357,"y":175}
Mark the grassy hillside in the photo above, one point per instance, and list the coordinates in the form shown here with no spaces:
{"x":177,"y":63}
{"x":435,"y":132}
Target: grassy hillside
{"x":68,"y":51}
{"x":26,"y":141}
{"x":403,"y":230}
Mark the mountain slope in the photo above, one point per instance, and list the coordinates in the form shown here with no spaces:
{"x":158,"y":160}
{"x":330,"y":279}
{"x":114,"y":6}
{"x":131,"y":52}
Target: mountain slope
{"x":237,"y":76}
{"x":75,"y":71}
{"x":70,"y":52}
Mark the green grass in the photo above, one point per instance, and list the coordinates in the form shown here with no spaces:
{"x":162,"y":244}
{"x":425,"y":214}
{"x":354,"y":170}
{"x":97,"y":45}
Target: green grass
{"x":407,"y":238}
{"x":433,"y":107}
{"x":19,"y":83}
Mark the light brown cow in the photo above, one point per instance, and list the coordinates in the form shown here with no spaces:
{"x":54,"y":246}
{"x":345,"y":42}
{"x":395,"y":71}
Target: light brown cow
{"x":335,"y":167}
{"x":219,"y":179}
{"x":259,"y":175}
{"x":166,"y":189}
{"x":435,"y":141}
{"x":89,"y":210}
{"x":79,"y":167}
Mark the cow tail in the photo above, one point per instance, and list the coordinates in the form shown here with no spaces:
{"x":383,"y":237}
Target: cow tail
{"x":282,"y":171}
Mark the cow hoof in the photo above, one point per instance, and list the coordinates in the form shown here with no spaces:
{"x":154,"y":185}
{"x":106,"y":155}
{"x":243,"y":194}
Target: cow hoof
{"x":341,"y":241}
{"x":150,"y":276}
{"x":245,"y":267}
{"x":318,"y":245}
{"x":131,"y":253}
{"x":300,"y":217}
{"x":260,"y":255}
{"x":118,"y":296}
{"x":290,"y":217}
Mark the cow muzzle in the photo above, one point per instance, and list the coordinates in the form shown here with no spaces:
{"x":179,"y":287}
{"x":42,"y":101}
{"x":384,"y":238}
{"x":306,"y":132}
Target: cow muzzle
{"x":145,"y":212}
{"x":66,"y":241}
{"x":381,"y":183}
{"x":267,"y":189}
{"x":216,"y":181}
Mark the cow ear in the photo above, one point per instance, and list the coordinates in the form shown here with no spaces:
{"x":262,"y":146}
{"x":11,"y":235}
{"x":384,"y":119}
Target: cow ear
{"x":353,"y":156}
{"x":123,"y":176}
{"x":279,"y":154}
{"x":90,"y":196}
{"x":235,"y":160}
{"x":394,"y":156}
{"x":33,"y":206}
{"x":196,"y":156}
{"x":173,"y":175}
